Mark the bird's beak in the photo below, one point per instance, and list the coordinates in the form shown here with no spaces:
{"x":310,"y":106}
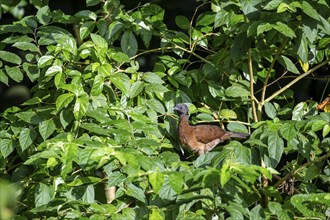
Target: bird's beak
{"x":175,"y":108}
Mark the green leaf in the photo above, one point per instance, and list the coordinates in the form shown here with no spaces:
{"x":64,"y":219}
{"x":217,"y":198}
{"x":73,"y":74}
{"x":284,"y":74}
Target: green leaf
{"x":99,"y":41}
{"x":15,"y":29}
{"x":86,"y":14}
{"x":275,"y":148}
{"x":299,"y":111}
{"x":270,"y":110}
{"x":310,"y":204}
{"x":152,"y":78}
{"x":68,"y":156}
{"x":80,"y":107}
{"x":92,"y":2}
{"x":146,"y":36}
{"x":205,"y":19}
{"x":14,"y":73}
{"x":323,"y":43}
{"x":318,"y":125}
{"x":288,"y":64}
{"x":264,"y":27}
{"x":63,"y":101}
{"x":7,"y":147}
{"x":89,"y":194}
{"x":97,"y":85}
{"x":29,"y":117}
{"x":86,"y":29}
{"x":228,"y":114}
{"x":167,"y":192}
{"x":254,"y":142}
{"x":15,"y":39}
{"x":136,"y":193}
{"x":66,"y":117}
{"x":237,"y":127}
{"x":288,"y":131}
{"x":311,"y":173}
{"x":84,"y":181}
{"x":120,"y":57}
{"x":182,"y":22}
{"x":26,"y":138}
{"x":136,"y":89}
{"x":222,"y":17}
{"x":303,"y":48}
{"x":156,"y":214}
{"x":326,"y":130}
{"x":156,"y":180}
{"x":95,"y":129}
{"x":31,"y":71}
{"x":114,"y":30}
{"x":3,"y":77}
{"x":284,"y":29}
{"x":26,"y":46}
{"x":224,"y":174}
{"x":211,"y":177}
{"x":43,"y":15}
{"x":309,"y":10}
{"x":257,"y":213}
{"x":156,"y":105}
{"x":176,"y":181}
{"x":121,"y":81}
{"x":242,"y":154}
{"x":272,"y":4}
{"x":10,"y":57}
{"x":45,"y":61}
{"x":276,"y":209}
{"x":128,"y":43}
{"x":53,"y":70}
{"x":51,"y":162}
{"x":47,"y":128}
{"x":43,"y":194}
{"x":115,"y":178}
{"x":236,"y":91}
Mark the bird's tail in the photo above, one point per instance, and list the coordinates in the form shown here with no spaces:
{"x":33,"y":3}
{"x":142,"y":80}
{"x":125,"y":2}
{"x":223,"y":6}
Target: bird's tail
{"x":238,"y":135}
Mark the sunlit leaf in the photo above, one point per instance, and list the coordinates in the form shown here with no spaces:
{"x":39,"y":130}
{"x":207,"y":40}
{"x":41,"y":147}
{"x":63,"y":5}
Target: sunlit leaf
{"x":156,"y":179}
{"x":10,"y":57}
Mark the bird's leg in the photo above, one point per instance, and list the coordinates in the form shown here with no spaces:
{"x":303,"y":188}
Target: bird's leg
{"x":212,"y":144}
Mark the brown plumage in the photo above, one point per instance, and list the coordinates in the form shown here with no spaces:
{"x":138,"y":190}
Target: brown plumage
{"x":201,"y":138}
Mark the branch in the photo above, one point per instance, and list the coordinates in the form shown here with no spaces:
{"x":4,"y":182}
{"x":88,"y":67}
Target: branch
{"x":296,"y":80}
{"x":324,"y":157}
{"x":253,"y":98}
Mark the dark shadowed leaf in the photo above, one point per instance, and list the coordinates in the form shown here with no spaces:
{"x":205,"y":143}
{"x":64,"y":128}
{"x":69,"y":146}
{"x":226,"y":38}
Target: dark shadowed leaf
{"x":182,"y":22}
{"x":136,"y":192}
{"x":129,"y":44}
{"x":43,"y":194}
{"x":26,"y":137}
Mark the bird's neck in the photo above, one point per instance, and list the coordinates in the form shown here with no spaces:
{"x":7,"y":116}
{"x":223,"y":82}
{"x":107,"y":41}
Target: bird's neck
{"x":183,"y":119}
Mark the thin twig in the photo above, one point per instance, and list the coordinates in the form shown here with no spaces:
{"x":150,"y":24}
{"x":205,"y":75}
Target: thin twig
{"x":263,"y":94}
{"x":253,"y":98}
{"x":296,"y":80}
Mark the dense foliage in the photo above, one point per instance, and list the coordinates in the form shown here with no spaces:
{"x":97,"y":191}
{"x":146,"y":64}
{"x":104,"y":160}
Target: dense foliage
{"x":97,"y":124}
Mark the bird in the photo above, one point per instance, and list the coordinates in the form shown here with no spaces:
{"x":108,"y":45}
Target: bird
{"x":201,"y":138}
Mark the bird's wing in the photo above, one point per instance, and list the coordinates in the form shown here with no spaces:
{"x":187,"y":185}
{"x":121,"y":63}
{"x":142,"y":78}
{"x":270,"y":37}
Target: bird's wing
{"x":207,"y":133}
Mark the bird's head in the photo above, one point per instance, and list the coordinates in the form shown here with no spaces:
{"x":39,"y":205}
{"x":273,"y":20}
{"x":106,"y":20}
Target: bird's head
{"x":182,"y":109}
